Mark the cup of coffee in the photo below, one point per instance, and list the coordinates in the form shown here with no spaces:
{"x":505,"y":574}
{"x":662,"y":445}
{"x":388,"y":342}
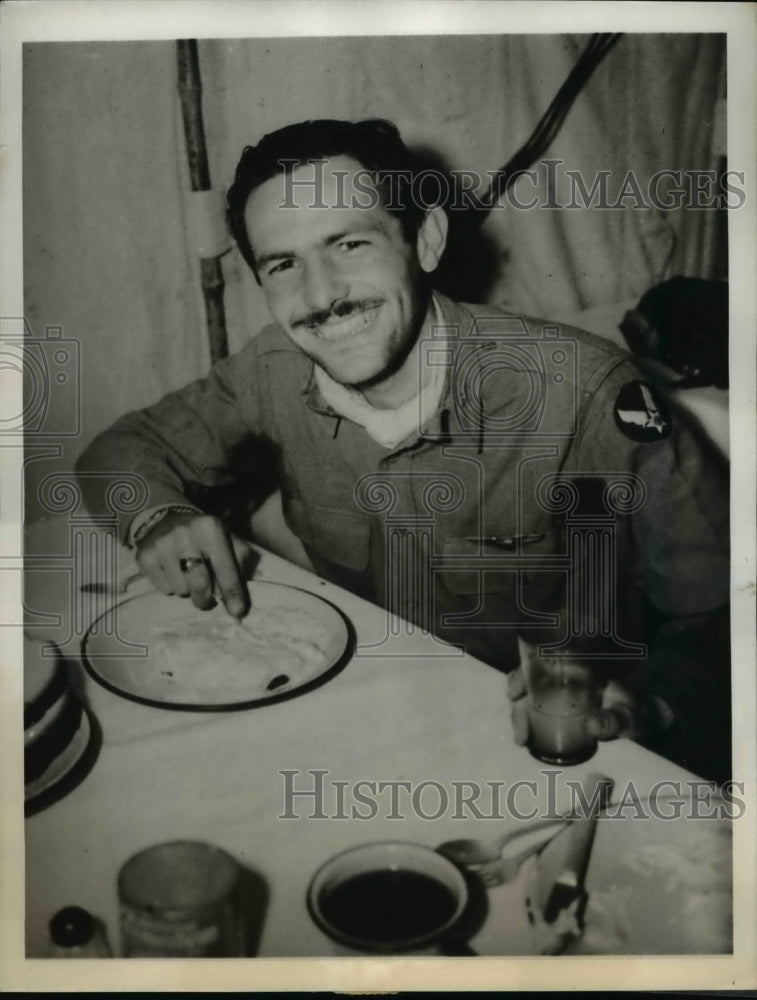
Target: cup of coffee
{"x":388,"y":898}
{"x":562,"y":694}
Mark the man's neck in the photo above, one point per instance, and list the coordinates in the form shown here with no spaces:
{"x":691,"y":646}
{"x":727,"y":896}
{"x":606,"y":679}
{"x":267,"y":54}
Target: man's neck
{"x":407,"y":381}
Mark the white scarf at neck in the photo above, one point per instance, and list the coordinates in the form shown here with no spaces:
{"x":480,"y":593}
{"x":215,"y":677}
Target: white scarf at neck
{"x":389,"y":426}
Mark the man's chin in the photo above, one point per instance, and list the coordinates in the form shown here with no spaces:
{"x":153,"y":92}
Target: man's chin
{"x":364,"y":374}
{"x":355,"y":377}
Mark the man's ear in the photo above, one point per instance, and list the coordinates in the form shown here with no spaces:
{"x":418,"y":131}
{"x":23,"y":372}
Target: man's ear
{"x":432,"y":238}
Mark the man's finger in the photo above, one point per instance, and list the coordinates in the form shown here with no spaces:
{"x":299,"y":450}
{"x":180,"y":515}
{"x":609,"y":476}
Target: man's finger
{"x":519,"y":717}
{"x":189,"y":564}
{"x":609,"y":724}
{"x":226,"y":572}
{"x":151,"y":566}
{"x":246,"y":557}
{"x":516,"y":684}
{"x":167,"y":585}
{"x":177,"y":578}
{"x":200,"y":586}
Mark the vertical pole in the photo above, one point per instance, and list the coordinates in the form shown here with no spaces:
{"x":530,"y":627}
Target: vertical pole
{"x":211,"y":273}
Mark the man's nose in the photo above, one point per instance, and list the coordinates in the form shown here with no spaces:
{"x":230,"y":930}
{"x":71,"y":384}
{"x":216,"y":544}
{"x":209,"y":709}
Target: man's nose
{"x":324,"y":286}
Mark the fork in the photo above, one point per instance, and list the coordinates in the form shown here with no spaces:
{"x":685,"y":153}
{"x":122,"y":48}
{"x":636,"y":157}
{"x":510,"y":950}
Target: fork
{"x":485,"y":856}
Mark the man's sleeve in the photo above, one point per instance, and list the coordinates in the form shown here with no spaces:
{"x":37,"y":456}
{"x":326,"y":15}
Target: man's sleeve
{"x":677,"y":544}
{"x":681,"y":526}
{"x":194,"y":439}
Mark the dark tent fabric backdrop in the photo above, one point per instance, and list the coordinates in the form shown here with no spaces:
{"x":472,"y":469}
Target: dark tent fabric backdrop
{"x":108,"y":251}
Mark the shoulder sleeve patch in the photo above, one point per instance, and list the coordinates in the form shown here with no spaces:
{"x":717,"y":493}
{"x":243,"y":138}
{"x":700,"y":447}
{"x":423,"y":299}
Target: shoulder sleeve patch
{"x":641,"y":414}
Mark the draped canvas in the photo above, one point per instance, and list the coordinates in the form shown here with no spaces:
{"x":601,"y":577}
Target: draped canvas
{"x":106,"y":248}
{"x":472,"y":101}
{"x":106,"y":256}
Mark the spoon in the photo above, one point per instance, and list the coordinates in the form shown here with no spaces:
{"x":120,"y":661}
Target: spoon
{"x":477,"y":852}
{"x":123,"y":585}
{"x":110,"y":588}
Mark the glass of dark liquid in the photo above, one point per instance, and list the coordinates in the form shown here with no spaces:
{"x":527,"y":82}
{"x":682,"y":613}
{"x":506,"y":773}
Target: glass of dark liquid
{"x":562,"y":694}
{"x":389,"y":898}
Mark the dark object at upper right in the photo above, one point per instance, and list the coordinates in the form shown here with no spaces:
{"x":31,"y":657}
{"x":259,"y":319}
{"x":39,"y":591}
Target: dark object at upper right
{"x":683,"y":323}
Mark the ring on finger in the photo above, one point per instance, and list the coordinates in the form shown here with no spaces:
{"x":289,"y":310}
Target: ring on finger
{"x":187,"y":563}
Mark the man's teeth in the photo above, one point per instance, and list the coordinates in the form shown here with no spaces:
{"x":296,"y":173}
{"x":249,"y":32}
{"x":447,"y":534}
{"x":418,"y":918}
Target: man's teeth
{"x":338,"y":329}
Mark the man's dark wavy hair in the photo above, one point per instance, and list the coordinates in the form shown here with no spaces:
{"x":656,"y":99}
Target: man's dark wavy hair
{"x":375,"y":144}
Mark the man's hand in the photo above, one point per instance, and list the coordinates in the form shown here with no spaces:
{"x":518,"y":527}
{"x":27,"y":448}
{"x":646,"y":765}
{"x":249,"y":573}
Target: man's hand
{"x":623,"y":714}
{"x":225,"y":561}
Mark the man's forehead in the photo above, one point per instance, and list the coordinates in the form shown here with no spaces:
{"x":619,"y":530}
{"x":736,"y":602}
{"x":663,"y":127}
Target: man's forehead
{"x":318,"y":198}
{"x":332,"y":182}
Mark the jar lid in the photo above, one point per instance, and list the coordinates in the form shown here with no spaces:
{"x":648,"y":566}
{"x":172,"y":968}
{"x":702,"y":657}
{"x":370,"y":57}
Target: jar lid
{"x":71,"y":926}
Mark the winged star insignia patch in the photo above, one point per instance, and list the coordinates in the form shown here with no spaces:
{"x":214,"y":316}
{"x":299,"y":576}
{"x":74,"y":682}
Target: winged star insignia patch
{"x":641,"y":414}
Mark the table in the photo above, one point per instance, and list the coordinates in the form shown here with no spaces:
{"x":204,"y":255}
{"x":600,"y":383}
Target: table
{"x":405,"y":709}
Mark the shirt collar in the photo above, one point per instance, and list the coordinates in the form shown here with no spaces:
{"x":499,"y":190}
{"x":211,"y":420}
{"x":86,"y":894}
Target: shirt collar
{"x":461,"y":325}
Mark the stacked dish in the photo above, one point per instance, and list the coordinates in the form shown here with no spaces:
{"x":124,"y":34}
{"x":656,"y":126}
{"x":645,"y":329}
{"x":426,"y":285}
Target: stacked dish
{"x":57,"y":729}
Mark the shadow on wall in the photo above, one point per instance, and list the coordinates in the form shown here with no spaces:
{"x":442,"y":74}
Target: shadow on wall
{"x":472,"y":261}
{"x":249,"y":503}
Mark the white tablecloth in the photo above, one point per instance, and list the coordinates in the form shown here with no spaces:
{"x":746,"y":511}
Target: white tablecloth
{"x":405,"y":709}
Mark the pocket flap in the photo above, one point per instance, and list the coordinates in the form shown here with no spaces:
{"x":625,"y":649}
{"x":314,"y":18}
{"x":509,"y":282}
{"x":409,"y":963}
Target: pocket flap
{"x":477,"y":567}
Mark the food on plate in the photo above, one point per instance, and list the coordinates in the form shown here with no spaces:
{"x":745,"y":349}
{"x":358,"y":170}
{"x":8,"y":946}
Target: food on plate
{"x":676,"y":894}
{"x":654,"y":887}
{"x":215,"y":658}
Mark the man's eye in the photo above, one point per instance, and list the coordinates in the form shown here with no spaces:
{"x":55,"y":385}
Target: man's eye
{"x":353,"y":244}
{"x":283,"y":265}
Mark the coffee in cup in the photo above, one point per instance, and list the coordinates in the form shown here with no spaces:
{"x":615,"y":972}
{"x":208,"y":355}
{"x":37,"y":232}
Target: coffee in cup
{"x":390,"y":897}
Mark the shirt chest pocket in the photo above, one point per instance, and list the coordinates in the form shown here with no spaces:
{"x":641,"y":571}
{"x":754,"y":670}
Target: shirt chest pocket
{"x":527,"y":572}
{"x":329,"y":534}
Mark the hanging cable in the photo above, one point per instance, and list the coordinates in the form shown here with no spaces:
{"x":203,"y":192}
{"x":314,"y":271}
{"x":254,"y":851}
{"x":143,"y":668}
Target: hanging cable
{"x":550,"y":123}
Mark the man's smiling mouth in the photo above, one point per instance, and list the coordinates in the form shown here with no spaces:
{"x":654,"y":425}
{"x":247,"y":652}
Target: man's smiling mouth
{"x":340,"y":328}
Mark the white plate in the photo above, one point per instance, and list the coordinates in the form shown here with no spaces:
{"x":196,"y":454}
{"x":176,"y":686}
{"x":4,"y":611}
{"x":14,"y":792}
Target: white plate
{"x":116,"y":650}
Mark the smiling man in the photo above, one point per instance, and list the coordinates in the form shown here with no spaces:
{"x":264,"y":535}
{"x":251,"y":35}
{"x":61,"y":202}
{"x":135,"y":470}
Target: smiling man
{"x":343,"y":282}
{"x":459,"y":465}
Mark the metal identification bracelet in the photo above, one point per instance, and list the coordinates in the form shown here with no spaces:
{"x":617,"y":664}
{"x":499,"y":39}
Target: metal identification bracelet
{"x":156,"y":517}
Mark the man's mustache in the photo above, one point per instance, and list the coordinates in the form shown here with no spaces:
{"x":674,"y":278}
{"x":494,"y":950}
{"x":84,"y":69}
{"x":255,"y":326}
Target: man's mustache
{"x":339,"y":311}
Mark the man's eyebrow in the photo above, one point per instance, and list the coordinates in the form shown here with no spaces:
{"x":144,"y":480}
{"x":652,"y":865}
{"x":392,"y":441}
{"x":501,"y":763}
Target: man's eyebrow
{"x":269,"y":258}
